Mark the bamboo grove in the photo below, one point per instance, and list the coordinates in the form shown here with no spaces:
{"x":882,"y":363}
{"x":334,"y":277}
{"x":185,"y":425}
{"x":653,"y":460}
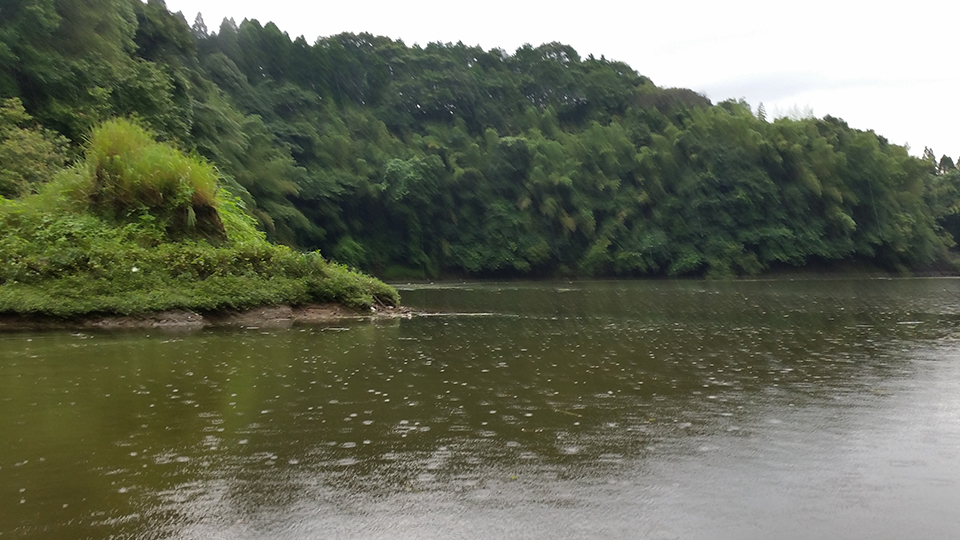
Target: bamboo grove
{"x":449,"y":160}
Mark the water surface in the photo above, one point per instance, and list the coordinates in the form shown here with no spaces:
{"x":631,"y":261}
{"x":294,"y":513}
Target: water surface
{"x":758,"y":409}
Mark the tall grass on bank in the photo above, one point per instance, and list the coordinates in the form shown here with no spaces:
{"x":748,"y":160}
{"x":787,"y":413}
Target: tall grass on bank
{"x":134,"y":175}
{"x":137,"y":226}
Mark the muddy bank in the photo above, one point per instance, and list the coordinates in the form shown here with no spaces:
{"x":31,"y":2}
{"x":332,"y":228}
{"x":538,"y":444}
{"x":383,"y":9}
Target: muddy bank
{"x":268,"y":316}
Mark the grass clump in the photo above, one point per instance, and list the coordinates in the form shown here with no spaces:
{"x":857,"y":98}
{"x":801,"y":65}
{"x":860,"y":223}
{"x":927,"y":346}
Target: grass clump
{"x":138,"y":226}
{"x":133,"y":175}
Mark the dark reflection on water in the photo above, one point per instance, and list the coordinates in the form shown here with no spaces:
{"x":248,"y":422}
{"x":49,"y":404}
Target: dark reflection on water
{"x":565,"y":410}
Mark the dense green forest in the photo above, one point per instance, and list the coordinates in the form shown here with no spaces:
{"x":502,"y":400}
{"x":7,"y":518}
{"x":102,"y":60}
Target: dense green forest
{"x":449,"y":160}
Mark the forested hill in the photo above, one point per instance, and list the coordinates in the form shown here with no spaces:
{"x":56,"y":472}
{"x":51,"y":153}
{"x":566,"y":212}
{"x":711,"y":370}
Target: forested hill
{"x":412,"y":161}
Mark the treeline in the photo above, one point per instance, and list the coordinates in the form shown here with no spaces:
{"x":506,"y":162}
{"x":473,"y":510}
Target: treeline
{"x":412,"y":161}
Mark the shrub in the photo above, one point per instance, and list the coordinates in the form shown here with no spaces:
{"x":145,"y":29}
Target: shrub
{"x":102,"y":237}
{"x":28,"y":156}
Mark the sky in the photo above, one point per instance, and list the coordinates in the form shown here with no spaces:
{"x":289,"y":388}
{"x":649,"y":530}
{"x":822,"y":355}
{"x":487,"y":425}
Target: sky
{"x":886,"y":69}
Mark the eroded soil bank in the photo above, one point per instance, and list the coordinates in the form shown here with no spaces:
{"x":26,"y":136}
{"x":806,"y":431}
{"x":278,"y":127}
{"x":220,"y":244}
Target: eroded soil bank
{"x":283,"y":315}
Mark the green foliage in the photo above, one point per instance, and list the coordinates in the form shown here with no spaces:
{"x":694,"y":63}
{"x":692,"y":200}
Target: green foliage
{"x":334,"y":282}
{"x":60,"y":258}
{"x":66,"y":264}
{"x":449,"y":159}
{"x":28,"y":156}
{"x":132,"y":170}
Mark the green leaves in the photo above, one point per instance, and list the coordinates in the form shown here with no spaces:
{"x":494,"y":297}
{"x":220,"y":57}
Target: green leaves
{"x":448,"y":159}
{"x":29,"y":156}
{"x":64,"y":261}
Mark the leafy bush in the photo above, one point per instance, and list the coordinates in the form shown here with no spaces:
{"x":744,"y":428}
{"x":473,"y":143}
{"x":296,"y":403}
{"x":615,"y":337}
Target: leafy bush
{"x":101,"y":238}
{"x":28,"y":156}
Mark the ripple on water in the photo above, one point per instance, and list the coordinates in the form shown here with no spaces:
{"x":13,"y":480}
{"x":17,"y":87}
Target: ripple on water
{"x":605,"y":428}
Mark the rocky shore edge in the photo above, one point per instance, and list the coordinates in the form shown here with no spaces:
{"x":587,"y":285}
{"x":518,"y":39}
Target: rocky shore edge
{"x":266,"y":316}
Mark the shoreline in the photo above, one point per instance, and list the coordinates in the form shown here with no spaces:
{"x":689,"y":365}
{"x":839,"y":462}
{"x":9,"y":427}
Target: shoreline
{"x":266,"y":316}
{"x":285,"y":315}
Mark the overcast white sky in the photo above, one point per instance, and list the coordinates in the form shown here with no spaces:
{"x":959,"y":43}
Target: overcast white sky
{"x":889,"y":68}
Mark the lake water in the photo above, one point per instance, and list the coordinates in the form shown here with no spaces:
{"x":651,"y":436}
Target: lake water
{"x":652,"y":409}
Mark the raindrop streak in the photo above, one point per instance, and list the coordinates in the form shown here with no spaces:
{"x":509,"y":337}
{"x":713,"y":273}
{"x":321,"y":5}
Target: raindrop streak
{"x":653,"y":409}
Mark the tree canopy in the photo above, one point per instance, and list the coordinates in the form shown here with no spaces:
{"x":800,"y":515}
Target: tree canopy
{"x":448,"y":159}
